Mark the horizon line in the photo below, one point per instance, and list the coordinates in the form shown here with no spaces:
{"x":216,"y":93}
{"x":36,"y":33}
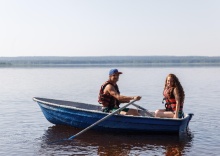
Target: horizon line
{"x":116,"y":56}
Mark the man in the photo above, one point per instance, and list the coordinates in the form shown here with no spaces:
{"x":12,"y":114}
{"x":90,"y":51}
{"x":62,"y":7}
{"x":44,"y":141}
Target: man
{"x":110,"y":98}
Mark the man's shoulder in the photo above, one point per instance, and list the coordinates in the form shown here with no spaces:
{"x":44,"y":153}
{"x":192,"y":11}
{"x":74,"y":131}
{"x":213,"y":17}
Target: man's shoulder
{"x":106,"y":84}
{"x":110,"y":88}
{"x":109,"y":85}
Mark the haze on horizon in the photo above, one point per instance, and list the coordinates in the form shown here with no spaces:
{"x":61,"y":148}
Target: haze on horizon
{"x":109,"y":28}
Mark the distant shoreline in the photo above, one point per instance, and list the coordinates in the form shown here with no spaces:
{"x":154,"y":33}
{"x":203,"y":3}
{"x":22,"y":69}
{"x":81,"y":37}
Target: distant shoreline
{"x":106,"y":61}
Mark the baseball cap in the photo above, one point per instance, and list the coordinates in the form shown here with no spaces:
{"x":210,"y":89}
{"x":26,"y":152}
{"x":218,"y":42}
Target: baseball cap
{"x":114,"y":71}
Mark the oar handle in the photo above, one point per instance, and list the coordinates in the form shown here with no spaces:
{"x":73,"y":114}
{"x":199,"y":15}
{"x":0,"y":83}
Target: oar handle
{"x":107,"y":116}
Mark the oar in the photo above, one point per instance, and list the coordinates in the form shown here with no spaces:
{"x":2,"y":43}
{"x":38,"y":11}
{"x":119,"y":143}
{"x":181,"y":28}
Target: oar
{"x":146,"y":111}
{"x":97,"y":122}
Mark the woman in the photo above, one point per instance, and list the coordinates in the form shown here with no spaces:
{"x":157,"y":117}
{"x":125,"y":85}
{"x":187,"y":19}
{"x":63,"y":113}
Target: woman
{"x":174,"y":97}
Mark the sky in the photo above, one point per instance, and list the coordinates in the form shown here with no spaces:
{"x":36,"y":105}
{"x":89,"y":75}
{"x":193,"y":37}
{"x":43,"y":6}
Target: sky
{"x":109,"y":28}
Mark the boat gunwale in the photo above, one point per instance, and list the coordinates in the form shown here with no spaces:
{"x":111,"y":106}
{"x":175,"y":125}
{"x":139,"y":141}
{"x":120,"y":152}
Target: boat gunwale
{"x":96,"y":111}
{"x":69,"y":107}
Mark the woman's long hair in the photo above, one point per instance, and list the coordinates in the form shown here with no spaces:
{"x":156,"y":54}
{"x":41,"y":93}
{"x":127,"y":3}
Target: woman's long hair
{"x":178,"y":87}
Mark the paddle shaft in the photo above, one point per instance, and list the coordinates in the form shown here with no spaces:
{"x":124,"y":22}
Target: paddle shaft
{"x":72,"y":137}
{"x":147,"y":112}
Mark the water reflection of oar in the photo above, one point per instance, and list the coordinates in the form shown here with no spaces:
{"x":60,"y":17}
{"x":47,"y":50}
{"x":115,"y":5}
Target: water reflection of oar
{"x":106,"y":117}
{"x":145,"y":110}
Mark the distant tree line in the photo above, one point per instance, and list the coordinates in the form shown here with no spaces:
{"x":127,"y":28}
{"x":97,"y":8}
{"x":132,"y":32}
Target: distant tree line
{"x":111,"y":60}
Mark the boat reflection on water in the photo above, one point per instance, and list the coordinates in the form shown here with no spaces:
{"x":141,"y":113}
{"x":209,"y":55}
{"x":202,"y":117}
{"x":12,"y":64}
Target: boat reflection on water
{"x":106,"y":143}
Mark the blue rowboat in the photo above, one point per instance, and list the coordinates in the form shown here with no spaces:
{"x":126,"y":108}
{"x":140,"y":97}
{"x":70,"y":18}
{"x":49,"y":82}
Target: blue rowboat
{"x":81,"y":115}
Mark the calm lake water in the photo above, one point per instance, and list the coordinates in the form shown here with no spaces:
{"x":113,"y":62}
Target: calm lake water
{"x":25,"y":131}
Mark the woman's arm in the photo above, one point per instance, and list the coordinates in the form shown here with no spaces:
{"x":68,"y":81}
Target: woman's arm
{"x":177,"y":103}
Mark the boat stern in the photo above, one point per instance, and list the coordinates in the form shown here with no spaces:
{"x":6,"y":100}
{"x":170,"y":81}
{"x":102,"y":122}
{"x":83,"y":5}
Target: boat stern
{"x":185,"y":123}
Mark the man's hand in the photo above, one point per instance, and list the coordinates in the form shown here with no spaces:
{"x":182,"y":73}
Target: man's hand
{"x":137,"y":98}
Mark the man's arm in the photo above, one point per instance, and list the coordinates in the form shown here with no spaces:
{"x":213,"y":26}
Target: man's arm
{"x":124,"y":99}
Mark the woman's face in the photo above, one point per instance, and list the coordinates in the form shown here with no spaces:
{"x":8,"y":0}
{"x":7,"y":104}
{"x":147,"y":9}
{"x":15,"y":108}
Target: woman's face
{"x":170,"y":82}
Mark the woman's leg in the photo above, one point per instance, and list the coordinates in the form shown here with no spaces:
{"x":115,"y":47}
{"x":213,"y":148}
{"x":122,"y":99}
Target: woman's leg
{"x":162,"y":113}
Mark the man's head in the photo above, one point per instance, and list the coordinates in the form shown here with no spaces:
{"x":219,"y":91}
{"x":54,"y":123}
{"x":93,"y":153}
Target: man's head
{"x":114,"y":71}
{"x":114,"y":75}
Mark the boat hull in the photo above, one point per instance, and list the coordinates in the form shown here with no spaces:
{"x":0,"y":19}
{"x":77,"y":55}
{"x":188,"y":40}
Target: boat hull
{"x":59,"y":113}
